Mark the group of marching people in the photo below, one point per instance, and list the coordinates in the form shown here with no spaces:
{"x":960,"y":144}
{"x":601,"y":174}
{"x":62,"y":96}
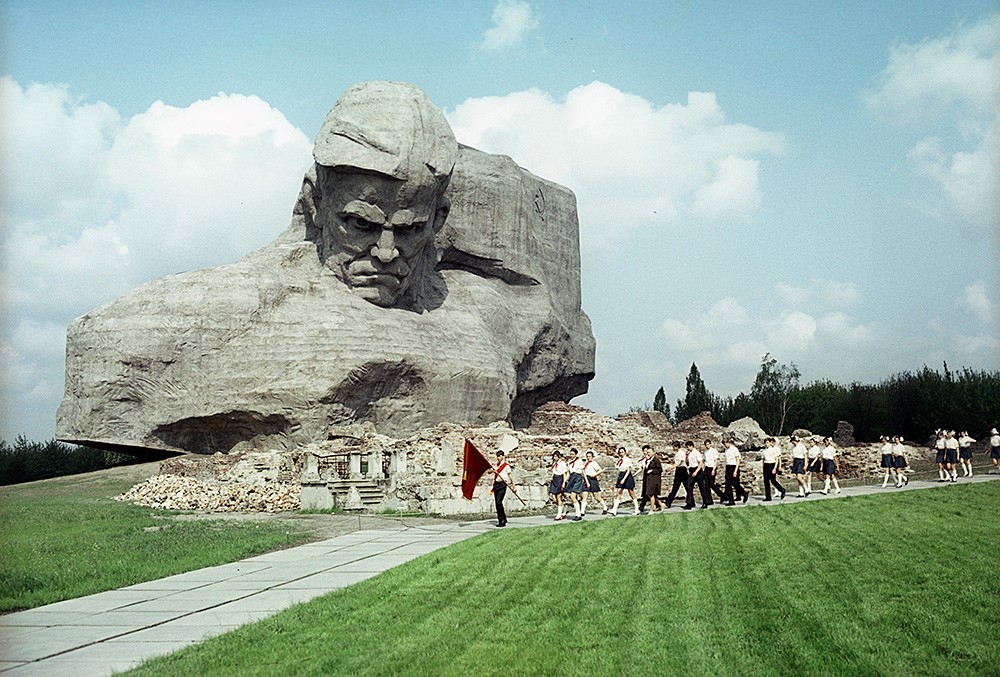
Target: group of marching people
{"x":951,"y":450}
{"x":575,"y":479}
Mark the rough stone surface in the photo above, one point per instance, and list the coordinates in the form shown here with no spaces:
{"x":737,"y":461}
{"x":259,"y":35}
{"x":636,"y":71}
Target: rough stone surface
{"x":418,"y":282}
{"x":844,"y":435}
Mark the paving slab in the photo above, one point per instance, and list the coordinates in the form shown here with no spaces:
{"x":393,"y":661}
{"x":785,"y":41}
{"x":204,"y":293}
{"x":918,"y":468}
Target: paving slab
{"x":117,"y":630}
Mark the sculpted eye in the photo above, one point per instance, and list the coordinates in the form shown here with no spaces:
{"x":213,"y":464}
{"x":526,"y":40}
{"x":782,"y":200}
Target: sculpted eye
{"x":362,"y":224}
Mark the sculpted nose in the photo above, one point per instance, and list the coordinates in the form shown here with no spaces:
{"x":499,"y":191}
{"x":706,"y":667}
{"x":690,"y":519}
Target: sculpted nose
{"x":385,"y":250}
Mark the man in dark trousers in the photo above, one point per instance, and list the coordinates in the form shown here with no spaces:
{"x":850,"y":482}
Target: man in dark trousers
{"x":647,"y":455}
{"x":502,"y":478}
{"x":680,"y":472}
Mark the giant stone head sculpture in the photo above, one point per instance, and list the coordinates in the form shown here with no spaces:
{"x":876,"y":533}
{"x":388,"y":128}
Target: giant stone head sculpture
{"x":384,"y":157}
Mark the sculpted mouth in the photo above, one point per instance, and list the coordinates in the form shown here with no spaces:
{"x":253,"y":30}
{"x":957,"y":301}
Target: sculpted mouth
{"x":387,"y":280}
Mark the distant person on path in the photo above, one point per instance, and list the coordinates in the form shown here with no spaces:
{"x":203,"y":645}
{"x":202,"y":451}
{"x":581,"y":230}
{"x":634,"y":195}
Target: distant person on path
{"x":815,"y":466}
{"x":899,"y":461}
{"x":965,"y":453}
{"x":557,"y":487}
{"x":680,"y":472}
{"x":950,"y":456}
{"x":939,"y":449}
{"x":625,"y":481}
{"x":591,"y":484}
{"x":799,"y":465}
{"x":711,"y":475}
{"x":501,"y":481}
{"x":695,"y":468}
{"x":771,"y":458}
{"x":830,"y":466}
{"x":651,"y":487}
{"x":734,"y":488}
{"x":887,"y":461}
{"x":995,"y":447}
{"x":575,"y":485}
{"x":647,"y":454}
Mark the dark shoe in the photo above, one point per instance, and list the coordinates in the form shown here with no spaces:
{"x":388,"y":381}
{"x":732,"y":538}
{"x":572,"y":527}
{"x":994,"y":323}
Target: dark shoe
{"x":766,"y":500}
{"x":782,"y":494}
{"x":746,"y":497}
{"x":577,"y":518}
{"x":501,"y":524}
{"x":705,"y":507}
{"x":668,"y":504}
{"x":687,"y":507}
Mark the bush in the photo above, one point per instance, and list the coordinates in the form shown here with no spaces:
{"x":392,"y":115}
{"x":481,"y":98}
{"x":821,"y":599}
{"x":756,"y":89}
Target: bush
{"x":25,"y":461}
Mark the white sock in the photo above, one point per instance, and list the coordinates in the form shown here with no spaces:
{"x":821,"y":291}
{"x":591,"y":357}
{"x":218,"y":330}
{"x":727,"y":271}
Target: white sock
{"x":836,"y":484}
{"x":809,"y":486}
{"x":826,"y":484}
{"x":614,"y":508}
{"x":585,"y":503}
{"x":604,"y":506}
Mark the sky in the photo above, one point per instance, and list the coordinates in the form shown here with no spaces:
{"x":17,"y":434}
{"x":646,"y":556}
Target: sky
{"x":816,"y":181}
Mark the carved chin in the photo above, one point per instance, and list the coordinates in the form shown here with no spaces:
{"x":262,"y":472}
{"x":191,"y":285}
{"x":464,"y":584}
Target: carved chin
{"x":378,"y":295}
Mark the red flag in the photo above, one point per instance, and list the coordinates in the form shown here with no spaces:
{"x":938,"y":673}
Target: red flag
{"x":473,"y":467}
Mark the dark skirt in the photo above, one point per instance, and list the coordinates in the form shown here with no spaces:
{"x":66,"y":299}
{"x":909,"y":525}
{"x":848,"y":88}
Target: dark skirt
{"x":951,"y":456}
{"x":886,"y":460}
{"x":995,"y":452}
{"x":899,"y":462}
{"x":625,"y":481}
{"x":939,"y":456}
{"x":651,"y":487}
{"x":556,"y":485}
{"x":829,"y":467}
{"x":592,"y":486}
{"x":965,"y":453}
{"x":798,"y":466}
{"x":816,"y":465}
{"x":575,"y":484}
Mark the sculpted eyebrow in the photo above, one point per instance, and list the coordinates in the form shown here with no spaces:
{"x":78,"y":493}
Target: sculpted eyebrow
{"x":364,"y":210}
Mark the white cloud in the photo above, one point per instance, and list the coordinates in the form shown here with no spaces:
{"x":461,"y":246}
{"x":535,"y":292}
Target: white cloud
{"x":512,"y":21}
{"x":950,"y":84}
{"x":97,"y":205}
{"x":840,"y":329}
{"x":630,"y":162}
{"x":791,"y":332}
{"x":975,"y":298}
{"x":829,"y":293}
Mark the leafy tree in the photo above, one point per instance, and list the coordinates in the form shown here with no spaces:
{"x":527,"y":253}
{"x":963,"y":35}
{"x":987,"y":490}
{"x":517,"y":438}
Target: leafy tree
{"x":773,"y":393}
{"x":660,"y":401}
{"x":696,"y":399}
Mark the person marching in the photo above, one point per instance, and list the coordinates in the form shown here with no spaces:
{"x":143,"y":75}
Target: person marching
{"x":887,"y":461}
{"x":814,"y":465}
{"x":965,"y":452}
{"x":939,"y":446}
{"x":771,"y":457}
{"x":733,"y":485}
{"x":950,"y":456}
{"x":680,"y":472}
{"x":830,"y":466}
{"x":899,"y":461}
{"x":591,"y":486}
{"x":696,"y":475}
{"x":711,"y":465}
{"x":995,"y":447}
{"x":799,"y":465}
{"x":501,"y":481}
{"x":557,"y":487}
{"x":575,"y":485}
{"x":647,"y":454}
{"x":625,"y":481}
{"x":651,"y":485}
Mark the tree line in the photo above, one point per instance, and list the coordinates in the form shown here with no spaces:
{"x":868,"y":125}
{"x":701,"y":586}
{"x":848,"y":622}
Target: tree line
{"x":25,"y":461}
{"x":912,"y":404}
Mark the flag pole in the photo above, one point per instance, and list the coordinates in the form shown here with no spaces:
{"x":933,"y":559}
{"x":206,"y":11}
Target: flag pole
{"x":512,"y":489}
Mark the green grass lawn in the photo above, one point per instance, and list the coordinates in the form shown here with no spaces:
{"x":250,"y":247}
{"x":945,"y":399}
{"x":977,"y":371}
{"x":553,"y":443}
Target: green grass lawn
{"x":66,"y":537}
{"x":904,"y":583}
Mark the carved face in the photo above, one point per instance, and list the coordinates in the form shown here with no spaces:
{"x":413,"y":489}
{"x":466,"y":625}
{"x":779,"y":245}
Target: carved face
{"x":378,"y":232}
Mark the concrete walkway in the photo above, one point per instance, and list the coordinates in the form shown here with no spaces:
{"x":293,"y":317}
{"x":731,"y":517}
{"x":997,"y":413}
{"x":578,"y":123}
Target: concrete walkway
{"x":117,"y":630}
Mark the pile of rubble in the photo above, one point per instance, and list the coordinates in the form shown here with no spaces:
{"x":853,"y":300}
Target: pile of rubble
{"x":173,"y":492}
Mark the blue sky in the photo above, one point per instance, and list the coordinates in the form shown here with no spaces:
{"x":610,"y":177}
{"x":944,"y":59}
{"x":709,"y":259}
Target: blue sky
{"x":814,"y":180}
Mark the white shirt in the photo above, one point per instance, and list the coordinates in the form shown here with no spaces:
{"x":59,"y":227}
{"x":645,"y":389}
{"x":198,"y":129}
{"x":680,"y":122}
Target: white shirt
{"x":694,"y":458}
{"x":995,"y":441}
{"x":624,"y":464}
{"x":590,"y":468}
{"x":711,"y":457}
{"x":829,"y":452}
{"x":733,"y":455}
{"x":771,"y":454}
{"x":814,"y":451}
{"x":887,"y":448}
{"x":899,"y":449}
{"x":799,"y":450}
{"x":951,"y":443}
{"x":940,"y":443}
{"x":559,"y":467}
{"x":965,"y":441}
{"x":576,"y":466}
{"x":680,"y":458}
{"x":503,"y":473}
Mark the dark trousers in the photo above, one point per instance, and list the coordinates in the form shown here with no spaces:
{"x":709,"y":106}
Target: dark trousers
{"x":770,"y":479}
{"x":713,"y":484}
{"x":499,"y":491}
{"x":680,"y":480}
{"x":693,"y":479}
{"x":733,"y":488}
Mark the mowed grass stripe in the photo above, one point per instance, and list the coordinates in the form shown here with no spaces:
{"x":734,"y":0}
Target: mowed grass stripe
{"x":902,"y":583}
